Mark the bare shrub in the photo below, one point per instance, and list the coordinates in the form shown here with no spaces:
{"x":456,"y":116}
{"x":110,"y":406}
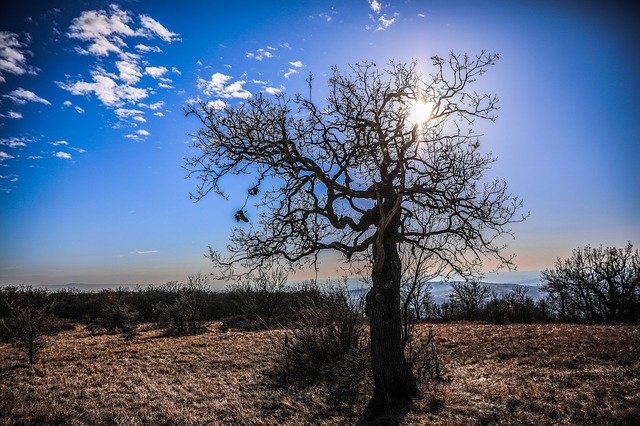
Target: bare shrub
{"x":329,"y":346}
{"x":186,"y":314}
{"x":423,"y":354}
{"x":119,"y":318}
{"x":30,"y":322}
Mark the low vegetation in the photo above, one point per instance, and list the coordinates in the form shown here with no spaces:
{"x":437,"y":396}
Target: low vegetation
{"x":497,"y":374}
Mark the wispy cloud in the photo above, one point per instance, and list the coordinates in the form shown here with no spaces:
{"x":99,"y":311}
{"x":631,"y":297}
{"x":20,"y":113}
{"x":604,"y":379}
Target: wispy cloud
{"x":375,"y":5}
{"x":159,"y":29}
{"x":147,"y":251}
{"x":261,"y":54}
{"x":13,"y":56}
{"x":5,"y":156}
{"x":22,"y":96}
{"x":12,"y":114}
{"x":62,"y":155}
{"x":59,"y":143}
{"x":290,"y":72}
{"x":14,"y":142}
{"x":385,"y":22}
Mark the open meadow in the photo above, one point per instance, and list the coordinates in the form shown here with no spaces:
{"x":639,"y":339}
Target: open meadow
{"x":496,"y":374}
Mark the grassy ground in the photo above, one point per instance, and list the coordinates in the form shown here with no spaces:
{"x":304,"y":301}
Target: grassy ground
{"x":515,"y":374}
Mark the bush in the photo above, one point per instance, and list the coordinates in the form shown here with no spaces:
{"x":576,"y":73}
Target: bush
{"x":29,"y":321}
{"x":328,"y":345}
{"x":186,"y":314}
{"x":116,"y":316}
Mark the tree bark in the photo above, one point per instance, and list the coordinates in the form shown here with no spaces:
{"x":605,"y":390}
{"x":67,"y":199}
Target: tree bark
{"x":393,"y":376}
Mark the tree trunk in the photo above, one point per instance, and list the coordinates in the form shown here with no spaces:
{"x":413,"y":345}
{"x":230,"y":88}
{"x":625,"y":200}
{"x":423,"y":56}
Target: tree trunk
{"x":393,"y":376}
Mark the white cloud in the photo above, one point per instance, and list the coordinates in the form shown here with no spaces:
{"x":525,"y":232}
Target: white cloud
{"x":14,"y":142}
{"x":67,"y":103}
{"x":12,"y":114}
{"x":375,"y":5}
{"x":22,"y":96}
{"x":156,"y":72}
{"x":104,"y":30}
{"x":58,"y":143}
{"x":176,"y":71}
{"x":290,"y":72}
{"x":156,"y":105}
{"x":5,"y":156}
{"x":106,"y":89}
{"x":134,"y":114}
{"x":79,"y":110}
{"x":156,"y":27}
{"x":420,"y":15}
{"x":297,"y":64}
{"x":146,"y":251}
{"x":261,"y":54}
{"x":165,"y":86}
{"x":10,"y":178}
{"x":143,"y":132}
{"x":129,"y":71}
{"x":78,"y":150}
{"x":386,"y":22}
{"x":273,"y":90}
{"x":158,"y":114}
{"x":35,"y":157}
{"x":13,"y":56}
{"x":62,"y":155}
{"x":146,"y":49}
{"x":217,"y":86}
{"x":216,"y":105}
{"x":286,"y":46}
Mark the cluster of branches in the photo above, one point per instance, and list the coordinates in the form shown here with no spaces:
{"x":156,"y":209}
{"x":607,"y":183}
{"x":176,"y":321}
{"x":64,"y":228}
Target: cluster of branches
{"x":596,"y":284}
{"x":340,"y":173}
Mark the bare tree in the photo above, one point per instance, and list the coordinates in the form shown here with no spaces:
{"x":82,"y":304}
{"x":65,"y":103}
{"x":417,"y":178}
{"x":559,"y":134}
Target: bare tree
{"x":596,"y":284}
{"x":419,"y":267}
{"x":470,"y":295}
{"x":361,"y":174}
{"x":29,"y":322}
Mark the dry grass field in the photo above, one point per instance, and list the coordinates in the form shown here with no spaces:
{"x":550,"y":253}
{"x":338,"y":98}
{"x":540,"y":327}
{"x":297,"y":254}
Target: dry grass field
{"x":515,"y":374}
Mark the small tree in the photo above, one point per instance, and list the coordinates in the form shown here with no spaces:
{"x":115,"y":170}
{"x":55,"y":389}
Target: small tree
{"x":596,"y":284}
{"x":29,"y":322}
{"x":470,"y":295}
{"x":390,"y":158}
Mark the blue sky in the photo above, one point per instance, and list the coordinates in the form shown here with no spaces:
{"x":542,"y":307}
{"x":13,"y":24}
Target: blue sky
{"x":93,"y":133}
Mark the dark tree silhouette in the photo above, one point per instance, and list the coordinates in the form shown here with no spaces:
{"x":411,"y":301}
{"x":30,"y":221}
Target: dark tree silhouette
{"x":356,"y":174}
{"x":596,"y":284}
{"x":470,"y":296}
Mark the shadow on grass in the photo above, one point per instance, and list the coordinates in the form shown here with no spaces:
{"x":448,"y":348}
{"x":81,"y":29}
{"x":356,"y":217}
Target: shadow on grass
{"x":374,"y":416}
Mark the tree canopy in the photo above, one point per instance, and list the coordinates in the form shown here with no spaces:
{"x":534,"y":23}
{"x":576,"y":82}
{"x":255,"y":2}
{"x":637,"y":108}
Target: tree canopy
{"x":334,"y":176}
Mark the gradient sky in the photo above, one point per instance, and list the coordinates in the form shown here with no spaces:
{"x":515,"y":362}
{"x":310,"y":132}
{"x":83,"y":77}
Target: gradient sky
{"x":93,"y":133}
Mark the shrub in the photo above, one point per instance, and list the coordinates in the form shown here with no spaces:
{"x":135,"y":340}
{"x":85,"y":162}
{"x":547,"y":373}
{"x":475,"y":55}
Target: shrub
{"x":186,"y":314}
{"x":29,"y":322}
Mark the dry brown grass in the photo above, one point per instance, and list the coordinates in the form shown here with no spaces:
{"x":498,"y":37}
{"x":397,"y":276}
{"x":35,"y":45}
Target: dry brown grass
{"x":516,"y":374}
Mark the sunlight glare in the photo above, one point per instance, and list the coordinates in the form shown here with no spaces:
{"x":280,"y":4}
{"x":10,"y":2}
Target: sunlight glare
{"x":420,"y":112}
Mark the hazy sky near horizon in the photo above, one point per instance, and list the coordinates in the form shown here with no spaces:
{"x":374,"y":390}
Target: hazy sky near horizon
{"x":93,"y":132}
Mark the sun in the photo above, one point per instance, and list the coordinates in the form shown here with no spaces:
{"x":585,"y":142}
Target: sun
{"x":420,"y":112}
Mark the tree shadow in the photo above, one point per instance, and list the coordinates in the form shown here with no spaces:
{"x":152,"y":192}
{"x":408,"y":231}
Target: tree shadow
{"x":375,"y":415}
